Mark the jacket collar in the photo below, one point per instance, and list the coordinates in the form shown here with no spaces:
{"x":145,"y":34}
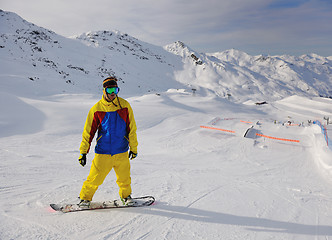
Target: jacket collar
{"x":115,"y":101}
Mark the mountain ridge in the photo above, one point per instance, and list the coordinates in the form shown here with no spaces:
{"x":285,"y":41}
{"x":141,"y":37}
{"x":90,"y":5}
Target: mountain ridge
{"x":79,"y":63}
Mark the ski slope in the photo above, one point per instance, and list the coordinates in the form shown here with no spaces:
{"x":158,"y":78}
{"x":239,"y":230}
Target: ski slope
{"x":208,"y":184}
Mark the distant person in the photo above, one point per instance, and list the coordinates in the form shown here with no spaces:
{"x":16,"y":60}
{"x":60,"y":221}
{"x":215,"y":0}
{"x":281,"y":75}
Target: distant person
{"x":112,"y":117}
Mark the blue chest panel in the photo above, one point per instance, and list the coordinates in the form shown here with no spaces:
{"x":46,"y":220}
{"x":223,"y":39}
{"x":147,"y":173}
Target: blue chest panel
{"x":112,"y":135}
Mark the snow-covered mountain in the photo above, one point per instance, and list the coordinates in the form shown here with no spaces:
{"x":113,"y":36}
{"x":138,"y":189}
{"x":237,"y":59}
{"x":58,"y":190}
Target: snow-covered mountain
{"x":65,"y":64}
{"x":239,"y":76}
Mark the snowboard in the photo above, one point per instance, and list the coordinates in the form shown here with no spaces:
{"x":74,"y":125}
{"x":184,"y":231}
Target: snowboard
{"x":137,"y":202}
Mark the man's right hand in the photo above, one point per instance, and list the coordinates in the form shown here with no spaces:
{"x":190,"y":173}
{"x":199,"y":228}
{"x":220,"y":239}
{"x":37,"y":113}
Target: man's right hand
{"x":82,"y":159}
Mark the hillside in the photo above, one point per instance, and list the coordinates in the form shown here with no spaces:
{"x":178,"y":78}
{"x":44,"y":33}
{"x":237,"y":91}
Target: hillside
{"x":43,"y":58}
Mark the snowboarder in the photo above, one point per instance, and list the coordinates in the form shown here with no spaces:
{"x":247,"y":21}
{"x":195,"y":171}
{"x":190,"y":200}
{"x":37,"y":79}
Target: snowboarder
{"x":112,"y":117}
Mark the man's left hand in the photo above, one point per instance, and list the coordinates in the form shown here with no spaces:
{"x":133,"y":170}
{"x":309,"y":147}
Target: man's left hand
{"x":132,"y":155}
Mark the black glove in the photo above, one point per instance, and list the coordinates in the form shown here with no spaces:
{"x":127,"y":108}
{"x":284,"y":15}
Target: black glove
{"x":82,"y":159}
{"x":132,"y":155}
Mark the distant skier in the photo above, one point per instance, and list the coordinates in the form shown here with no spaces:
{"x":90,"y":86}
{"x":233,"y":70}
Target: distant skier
{"x":112,"y":117}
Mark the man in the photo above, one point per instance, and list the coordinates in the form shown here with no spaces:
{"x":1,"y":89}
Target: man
{"x":112,"y":117}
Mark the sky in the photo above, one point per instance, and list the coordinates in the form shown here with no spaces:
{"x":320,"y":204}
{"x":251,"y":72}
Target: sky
{"x":268,"y":27}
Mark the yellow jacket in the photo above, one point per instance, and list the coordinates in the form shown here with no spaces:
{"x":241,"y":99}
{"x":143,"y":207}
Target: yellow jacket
{"x":116,"y":128}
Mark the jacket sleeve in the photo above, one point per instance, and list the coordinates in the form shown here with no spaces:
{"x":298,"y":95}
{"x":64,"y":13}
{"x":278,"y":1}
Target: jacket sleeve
{"x":89,"y":131}
{"x":132,"y":131}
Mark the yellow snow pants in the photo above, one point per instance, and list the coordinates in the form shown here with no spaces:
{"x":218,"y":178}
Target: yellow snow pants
{"x":102,"y":164}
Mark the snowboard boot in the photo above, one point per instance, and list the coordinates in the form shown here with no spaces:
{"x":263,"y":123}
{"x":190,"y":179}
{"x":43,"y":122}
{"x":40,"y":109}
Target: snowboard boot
{"x":84,"y":204}
{"x":128,"y":201}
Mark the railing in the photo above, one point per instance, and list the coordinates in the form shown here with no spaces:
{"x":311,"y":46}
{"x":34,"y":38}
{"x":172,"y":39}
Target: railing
{"x":324,"y":131}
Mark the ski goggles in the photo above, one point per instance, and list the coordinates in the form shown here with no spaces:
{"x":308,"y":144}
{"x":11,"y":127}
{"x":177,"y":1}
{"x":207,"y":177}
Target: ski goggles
{"x":112,"y":90}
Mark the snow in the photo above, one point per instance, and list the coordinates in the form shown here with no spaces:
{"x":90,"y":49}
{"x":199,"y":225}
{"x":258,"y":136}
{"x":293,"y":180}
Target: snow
{"x":208,"y":184}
